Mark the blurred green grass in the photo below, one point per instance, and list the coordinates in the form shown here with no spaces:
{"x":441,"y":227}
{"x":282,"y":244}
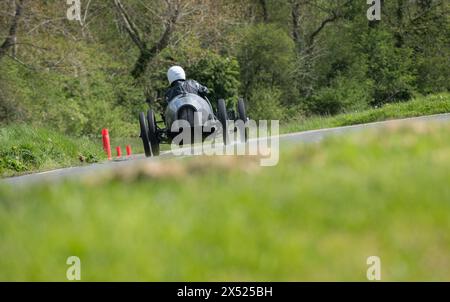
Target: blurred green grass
{"x":318,"y":215}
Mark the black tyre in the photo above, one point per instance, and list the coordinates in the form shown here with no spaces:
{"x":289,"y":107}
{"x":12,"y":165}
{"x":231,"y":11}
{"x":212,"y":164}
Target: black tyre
{"x":153,"y":133}
{"x":222,"y":115}
{"x":144,"y":134}
{"x":242,"y":112}
{"x":242,"y":115}
{"x":187,"y":113}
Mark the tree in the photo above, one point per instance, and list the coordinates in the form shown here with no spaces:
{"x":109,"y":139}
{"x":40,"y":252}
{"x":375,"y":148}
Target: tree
{"x":264,"y":9}
{"x":304,"y":14}
{"x":11,"y":39}
{"x":148,"y":52}
{"x":265,"y":55}
{"x":306,"y":32}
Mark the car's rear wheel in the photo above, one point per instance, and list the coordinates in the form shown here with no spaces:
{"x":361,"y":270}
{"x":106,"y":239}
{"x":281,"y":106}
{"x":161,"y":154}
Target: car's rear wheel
{"x":144,"y":135}
{"x":242,"y":115}
{"x":187,"y":113}
{"x":242,"y":112}
{"x":153,"y":133}
{"x":222,"y":115}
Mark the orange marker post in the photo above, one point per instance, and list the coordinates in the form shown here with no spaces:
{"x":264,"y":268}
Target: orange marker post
{"x":129,"y":151}
{"x":106,"y":143}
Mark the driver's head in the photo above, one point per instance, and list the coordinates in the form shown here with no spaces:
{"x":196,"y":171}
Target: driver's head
{"x":175,"y":73}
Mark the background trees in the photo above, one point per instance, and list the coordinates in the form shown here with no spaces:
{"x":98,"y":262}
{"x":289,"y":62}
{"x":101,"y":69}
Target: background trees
{"x":286,"y":57}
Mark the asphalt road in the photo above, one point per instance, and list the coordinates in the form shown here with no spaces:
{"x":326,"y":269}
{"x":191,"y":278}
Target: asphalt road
{"x":299,"y":137}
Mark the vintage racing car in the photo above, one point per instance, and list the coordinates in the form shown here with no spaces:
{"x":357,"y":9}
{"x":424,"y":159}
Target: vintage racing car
{"x":184,"y":107}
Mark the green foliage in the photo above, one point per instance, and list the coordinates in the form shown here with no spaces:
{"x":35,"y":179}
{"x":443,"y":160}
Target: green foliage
{"x":390,"y":68}
{"x":219,"y":74}
{"x":433,"y":73}
{"x":429,"y":38}
{"x":77,"y":104}
{"x":344,"y":94}
{"x":264,"y":104}
{"x":265,"y":55}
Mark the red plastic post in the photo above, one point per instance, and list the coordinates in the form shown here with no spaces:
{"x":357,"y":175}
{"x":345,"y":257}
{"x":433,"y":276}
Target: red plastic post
{"x":106,"y":143}
{"x":129,"y":151}
{"x":119,"y":152}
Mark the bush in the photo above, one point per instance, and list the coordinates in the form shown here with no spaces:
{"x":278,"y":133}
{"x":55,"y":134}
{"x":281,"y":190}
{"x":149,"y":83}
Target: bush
{"x":265,"y":104}
{"x":433,"y":74}
{"x":219,"y":74}
{"x":265,"y":55}
{"x":12,"y":108}
{"x":390,"y":68}
{"x":345,"y":94}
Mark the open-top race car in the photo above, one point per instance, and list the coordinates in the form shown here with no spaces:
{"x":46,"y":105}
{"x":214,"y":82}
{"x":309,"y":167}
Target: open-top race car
{"x":184,"y":107}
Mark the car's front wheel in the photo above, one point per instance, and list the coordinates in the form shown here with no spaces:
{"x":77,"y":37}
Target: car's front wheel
{"x":222,"y":115}
{"x":144,"y":134}
{"x":153,"y":133}
{"x":242,"y":116}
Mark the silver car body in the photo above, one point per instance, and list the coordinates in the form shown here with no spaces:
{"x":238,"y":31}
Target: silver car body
{"x":199,"y":104}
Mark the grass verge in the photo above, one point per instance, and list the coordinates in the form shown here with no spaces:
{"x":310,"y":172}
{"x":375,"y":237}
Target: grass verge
{"x":318,"y":215}
{"x":24,"y":149}
{"x":433,"y":104}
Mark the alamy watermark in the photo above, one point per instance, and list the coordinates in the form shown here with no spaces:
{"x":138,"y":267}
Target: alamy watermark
{"x":236,"y":138}
{"x":374,"y":11}
{"x":74,"y":10}
{"x":374,"y":270}
{"x":73,"y":273}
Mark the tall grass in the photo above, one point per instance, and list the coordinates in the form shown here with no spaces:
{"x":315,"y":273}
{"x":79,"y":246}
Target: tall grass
{"x":433,"y":104}
{"x":24,"y":149}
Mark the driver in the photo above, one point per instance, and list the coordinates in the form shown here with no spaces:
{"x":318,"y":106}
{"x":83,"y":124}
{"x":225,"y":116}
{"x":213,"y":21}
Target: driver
{"x":179,"y":84}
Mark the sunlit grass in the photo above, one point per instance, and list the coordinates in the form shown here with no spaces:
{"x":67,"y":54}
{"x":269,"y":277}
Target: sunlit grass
{"x":433,"y":104}
{"x":24,"y":149}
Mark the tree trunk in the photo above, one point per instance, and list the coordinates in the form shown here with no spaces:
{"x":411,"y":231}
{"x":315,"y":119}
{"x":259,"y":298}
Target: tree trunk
{"x":295,"y":13}
{"x":398,"y":33}
{"x":265,"y":12}
{"x":146,"y":53}
{"x":11,"y":39}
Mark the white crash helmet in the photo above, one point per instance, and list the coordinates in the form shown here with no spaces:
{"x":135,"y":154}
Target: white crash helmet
{"x":175,"y":73}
